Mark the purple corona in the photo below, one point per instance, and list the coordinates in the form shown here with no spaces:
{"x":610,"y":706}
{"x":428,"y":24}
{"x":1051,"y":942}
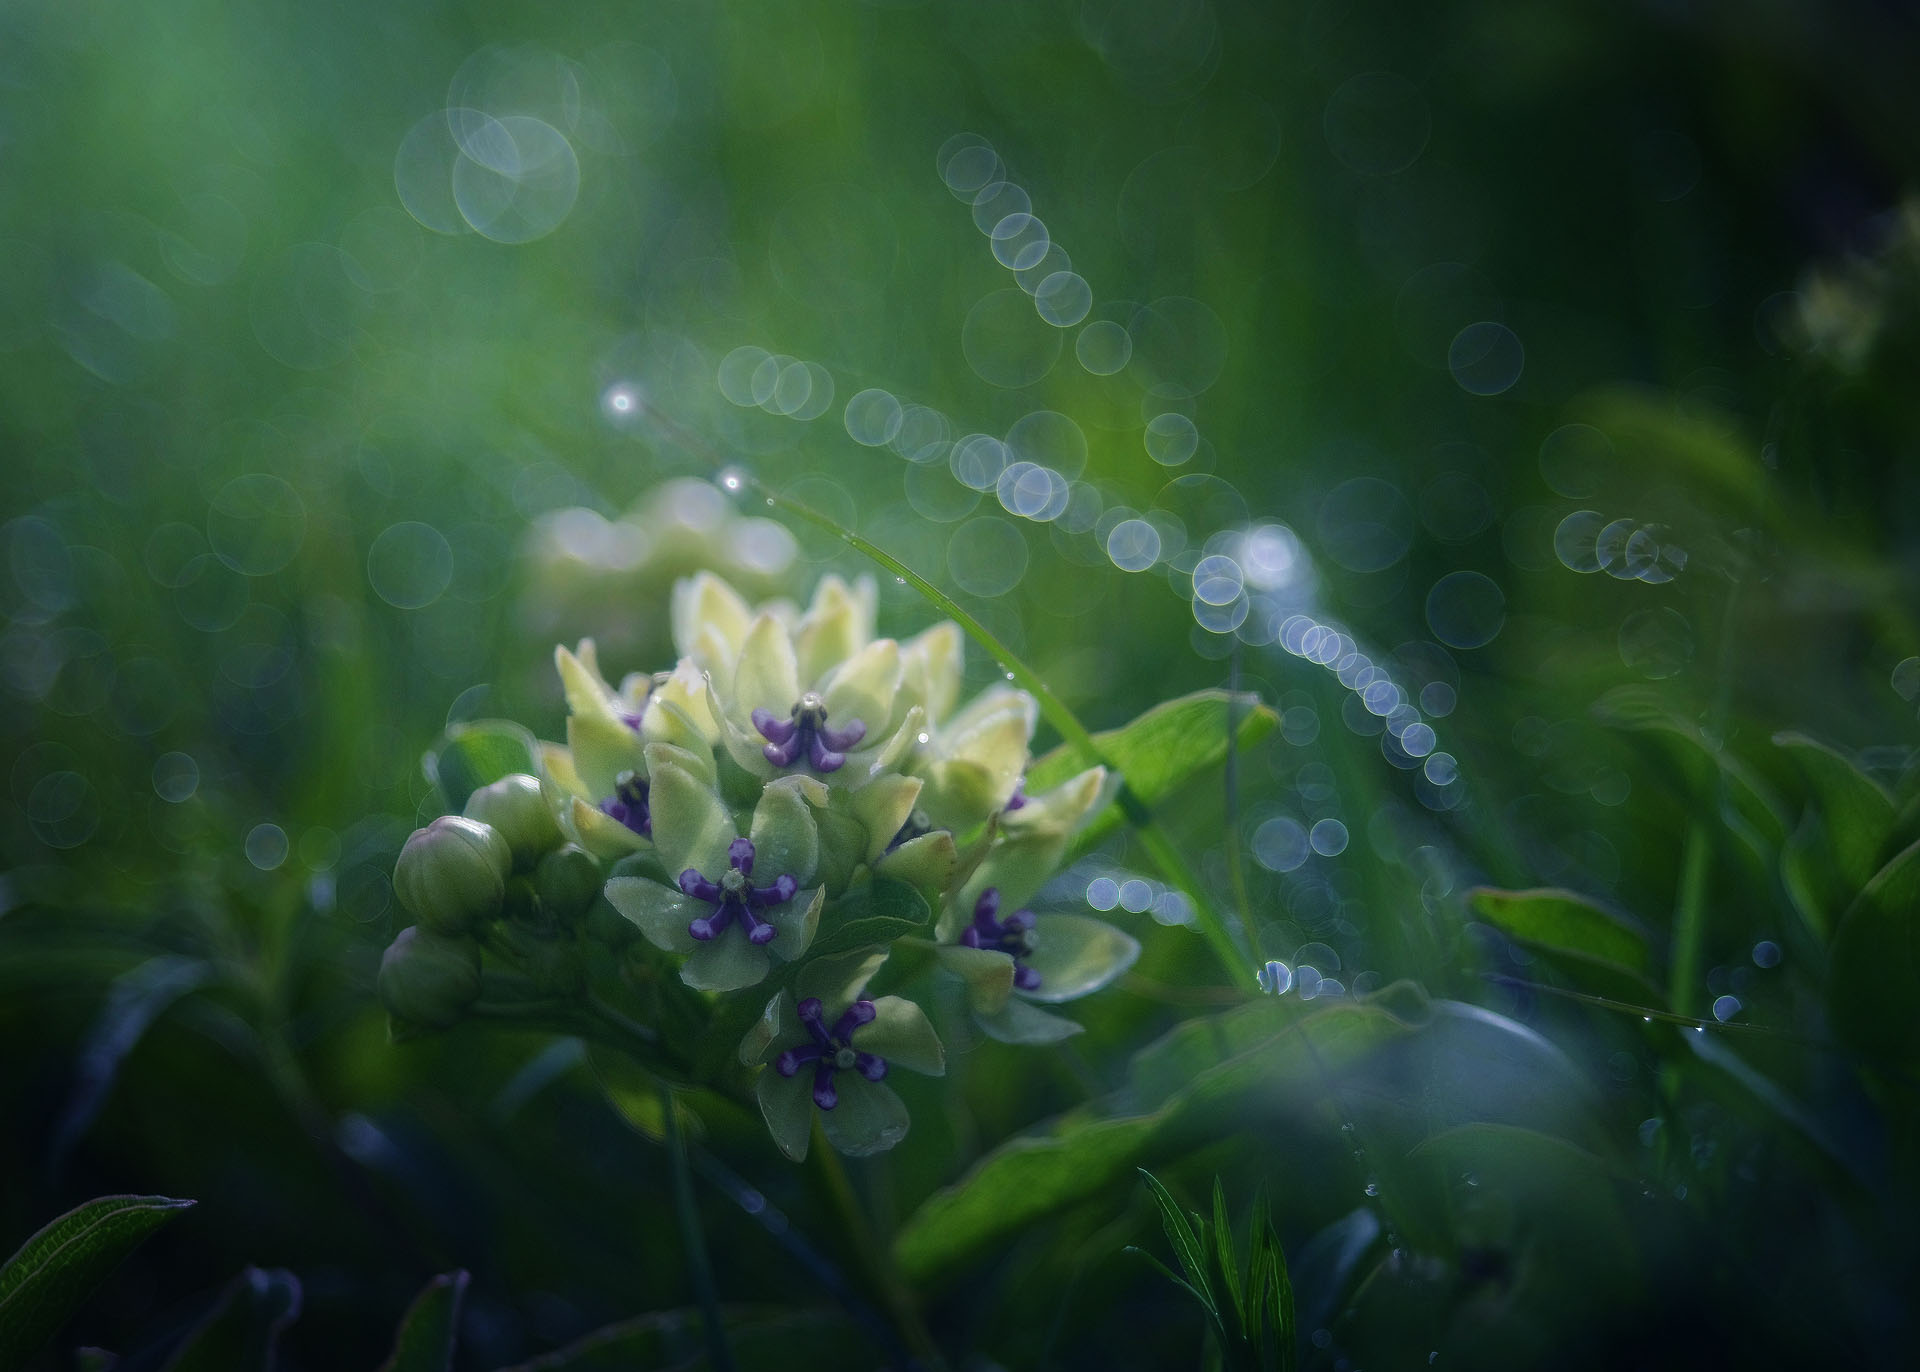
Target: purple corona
{"x":735,"y":898}
{"x":628,"y":803}
{"x":804,"y":735}
{"x":832,"y":1049}
{"x":1012,"y":936}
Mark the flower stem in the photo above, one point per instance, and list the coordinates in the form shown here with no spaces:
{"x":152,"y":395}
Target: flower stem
{"x":693,"y":1238}
{"x":886,"y":1281}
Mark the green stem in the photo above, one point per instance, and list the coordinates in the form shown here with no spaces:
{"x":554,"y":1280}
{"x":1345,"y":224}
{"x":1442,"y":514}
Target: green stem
{"x":694,"y":1239}
{"x":1690,"y":919}
{"x":1239,"y":967}
{"x":872,"y":1256}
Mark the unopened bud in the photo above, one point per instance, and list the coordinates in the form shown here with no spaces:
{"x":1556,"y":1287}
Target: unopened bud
{"x":518,"y":813}
{"x":429,"y":979}
{"x":567,"y":880}
{"x":452,"y":874}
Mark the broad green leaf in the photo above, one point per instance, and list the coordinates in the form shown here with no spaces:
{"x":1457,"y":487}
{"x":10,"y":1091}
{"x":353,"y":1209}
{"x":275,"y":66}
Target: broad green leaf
{"x":242,"y":1330}
{"x":1602,"y":952}
{"x":425,"y":1339}
{"x":53,"y":1272}
{"x":1157,"y":752}
{"x":1083,"y":1153}
{"x":470,"y":756}
{"x":1873,"y":981}
{"x":871,"y":915}
{"x":1757,"y":813}
{"x":1856,"y":810}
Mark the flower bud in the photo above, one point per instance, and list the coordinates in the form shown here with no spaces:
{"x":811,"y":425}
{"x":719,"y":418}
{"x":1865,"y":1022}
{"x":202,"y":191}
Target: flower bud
{"x":518,"y":812}
{"x":429,"y":979}
{"x":567,"y":881}
{"x":452,"y":874}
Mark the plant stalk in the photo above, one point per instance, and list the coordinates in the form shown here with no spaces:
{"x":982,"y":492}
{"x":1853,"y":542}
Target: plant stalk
{"x":694,"y":1239}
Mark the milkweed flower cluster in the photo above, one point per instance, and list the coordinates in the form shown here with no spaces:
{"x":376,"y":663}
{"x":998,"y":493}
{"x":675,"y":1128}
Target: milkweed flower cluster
{"x":794,"y":814}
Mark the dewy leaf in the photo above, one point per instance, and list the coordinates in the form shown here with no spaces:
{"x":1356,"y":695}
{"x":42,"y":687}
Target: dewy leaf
{"x":1187,"y":1247}
{"x":240,"y":1332}
{"x":1874,"y":977}
{"x":1856,"y":809}
{"x":425,"y":1340}
{"x":1166,"y":746}
{"x":1568,"y":924}
{"x":470,"y":756}
{"x":46,"y":1280}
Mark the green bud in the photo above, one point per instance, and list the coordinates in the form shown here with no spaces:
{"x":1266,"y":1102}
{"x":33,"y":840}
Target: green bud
{"x":567,"y":880}
{"x":452,"y":874}
{"x":518,"y":812}
{"x":429,"y":979}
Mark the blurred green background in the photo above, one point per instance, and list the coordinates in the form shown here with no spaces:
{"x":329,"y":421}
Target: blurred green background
{"x":1517,"y":397}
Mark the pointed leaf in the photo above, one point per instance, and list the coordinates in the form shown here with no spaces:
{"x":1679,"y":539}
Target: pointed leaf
{"x":470,"y":756}
{"x":1225,"y":1258}
{"x":425,"y":1339}
{"x":1874,"y":977}
{"x":1159,"y":751}
{"x":240,"y":1333}
{"x":1856,"y":809}
{"x":46,"y":1280}
{"x":872,"y":915}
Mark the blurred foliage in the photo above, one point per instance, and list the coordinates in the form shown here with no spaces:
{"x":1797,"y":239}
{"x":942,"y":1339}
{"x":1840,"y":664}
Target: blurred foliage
{"x":1540,"y":377}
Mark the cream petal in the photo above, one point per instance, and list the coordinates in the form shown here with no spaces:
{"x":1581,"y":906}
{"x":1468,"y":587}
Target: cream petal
{"x":988,"y":975}
{"x":786,"y":1104}
{"x":691,"y":826}
{"x":902,"y":1034}
{"x":837,"y":979}
{"x":767,"y":677}
{"x":1019,"y":1022}
{"x":580,"y":680}
{"x":926,"y":863}
{"x":796,"y":922}
{"x":709,"y":620}
{"x":931,"y":664}
{"x":598,"y":832}
{"x":786,"y":839}
{"x":1076,"y":956}
{"x":602,"y":748}
{"x":726,"y":963}
{"x":863,"y":687}
{"x":837,"y":625}
{"x":869,"y":1119}
{"x":659,"y":912}
{"x":883,"y":805}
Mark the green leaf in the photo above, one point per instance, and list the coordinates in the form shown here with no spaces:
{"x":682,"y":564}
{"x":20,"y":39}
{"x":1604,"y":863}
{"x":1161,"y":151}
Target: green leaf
{"x":45,"y":1281}
{"x":1158,"y":751}
{"x":240,"y":1333}
{"x":1599,"y":949}
{"x":1874,"y":978}
{"x":470,"y":756}
{"x":425,"y":1339}
{"x":872,"y":915}
{"x":1227,"y":1260}
{"x":1270,"y":1315}
{"x":1564,"y":921}
{"x":1186,"y":1238}
{"x":1857,"y":811}
{"x":1082,"y":1154}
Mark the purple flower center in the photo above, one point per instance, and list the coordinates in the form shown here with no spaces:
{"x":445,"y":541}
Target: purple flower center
{"x":1018,"y":800}
{"x":1012,"y":936}
{"x":832,"y":1049}
{"x":804,"y":734}
{"x":735,"y":898}
{"x":628,"y":803}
